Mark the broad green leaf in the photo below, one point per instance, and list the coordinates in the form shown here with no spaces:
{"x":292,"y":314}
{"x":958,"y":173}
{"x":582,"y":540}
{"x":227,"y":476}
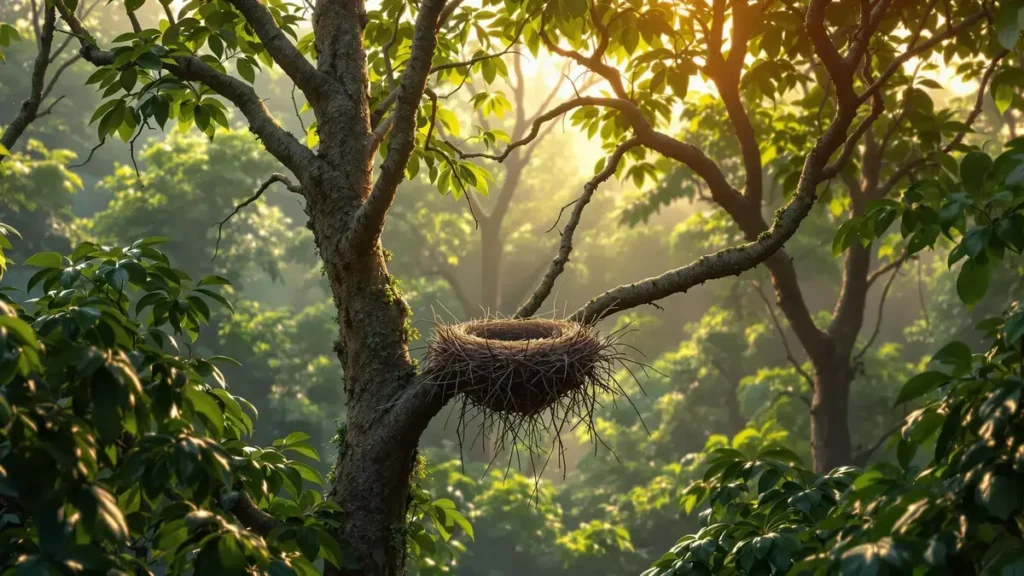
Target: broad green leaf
{"x":972,"y":282}
{"x":920,"y":385}
{"x":45,"y":260}
{"x":973,"y":168}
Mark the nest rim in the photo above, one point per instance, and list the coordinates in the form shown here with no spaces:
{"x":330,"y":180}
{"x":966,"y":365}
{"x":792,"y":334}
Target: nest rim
{"x":515,"y":366}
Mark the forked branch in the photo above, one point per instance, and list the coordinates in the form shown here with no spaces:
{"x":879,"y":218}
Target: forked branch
{"x":368,"y":221}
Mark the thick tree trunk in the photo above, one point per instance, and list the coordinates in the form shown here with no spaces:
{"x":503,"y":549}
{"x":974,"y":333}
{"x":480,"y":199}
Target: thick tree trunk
{"x":830,"y":421}
{"x":388,"y":408}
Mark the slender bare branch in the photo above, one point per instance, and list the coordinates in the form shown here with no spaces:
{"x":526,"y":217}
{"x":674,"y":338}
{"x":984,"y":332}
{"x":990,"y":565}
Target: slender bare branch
{"x":57,"y":74}
{"x":594,"y":62}
{"x":886,"y":268}
{"x":881,"y":306}
{"x":915,"y":51}
{"x":530,"y":307}
{"x":782,"y":336}
{"x":861,"y":457}
{"x":472,"y":61}
{"x":275,"y":177}
{"x":385,"y":50}
{"x":979,"y":102}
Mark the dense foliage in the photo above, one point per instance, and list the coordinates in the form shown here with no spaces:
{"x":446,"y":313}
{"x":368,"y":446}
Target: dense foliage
{"x":121,"y":449}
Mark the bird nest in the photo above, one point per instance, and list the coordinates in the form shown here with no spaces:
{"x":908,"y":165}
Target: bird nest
{"x":523,"y":381}
{"x":515,"y":366}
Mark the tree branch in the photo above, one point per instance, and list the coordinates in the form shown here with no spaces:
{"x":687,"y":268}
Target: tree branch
{"x":530,"y":307}
{"x":254,"y":519}
{"x":782,"y":336}
{"x":281,"y":144}
{"x":725,"y":73}
{"x":30,"y":107}
{"x":881,"y":305}
{"x":368,"y":221}
{"x":912,"y":52}
{"x":275,"y":177}
{"x":594,"y":62}
{"x":58,"y":72}
{"x":861,"y":457}
{"x":979,"y":103}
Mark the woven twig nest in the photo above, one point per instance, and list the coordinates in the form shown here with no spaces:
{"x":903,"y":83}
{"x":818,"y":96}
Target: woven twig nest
{"x":519,"y":367}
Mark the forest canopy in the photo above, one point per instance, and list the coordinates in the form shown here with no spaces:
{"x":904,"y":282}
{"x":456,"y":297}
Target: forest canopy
{"x":517,"y":287}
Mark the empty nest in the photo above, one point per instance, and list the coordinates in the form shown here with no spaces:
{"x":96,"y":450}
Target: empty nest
{"x":523,"y":383}
{"x":517,"y":367}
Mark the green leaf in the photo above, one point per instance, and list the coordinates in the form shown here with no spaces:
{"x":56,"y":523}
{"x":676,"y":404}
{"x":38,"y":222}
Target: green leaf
{"x":133,"y":5}
{"x":1008,"y":23}
{"x":860,"y":560}
{"x":972,"y":282}
{"x":1000,"y":494}
{"x":307,"y":472}
{"x":957,"y":355}
{"x":213,"y":280}
{"x":45,"y":260}
{"x":208,"y":410}
{"x":22,"y":330}
{"x":330,"y":550}
{"x":245,"y":70}
{"x":973,"y":168}
{"x":920,"y":385}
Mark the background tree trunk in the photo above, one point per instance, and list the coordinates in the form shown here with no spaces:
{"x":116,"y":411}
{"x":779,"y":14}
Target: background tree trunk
{"x":830,"y":419}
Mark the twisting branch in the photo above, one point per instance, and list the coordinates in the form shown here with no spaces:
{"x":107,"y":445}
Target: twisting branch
{"x":861,"y":457}
{"x":281,"y":144}
{"x":450,"y":9}
{"x":530,"y":307}
{"x":49,"y":108}
{"x":472,"y":61}
{"x":57,"y":74}
{"x":877,"y":107}
{"x":885,"y":268}
{"x":979,"y":103}
{"x":782,"y":336}
{"x":83,"y":12}
{"x":275,"y":177}
{"x":898,"y":62}
{"x":725,"y":73}
{"x":594,"y":62}
{"x":633,"y":114}
{"x":30,"y":107}
{"x":368,"y":220}
{"x":881,"y":305}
